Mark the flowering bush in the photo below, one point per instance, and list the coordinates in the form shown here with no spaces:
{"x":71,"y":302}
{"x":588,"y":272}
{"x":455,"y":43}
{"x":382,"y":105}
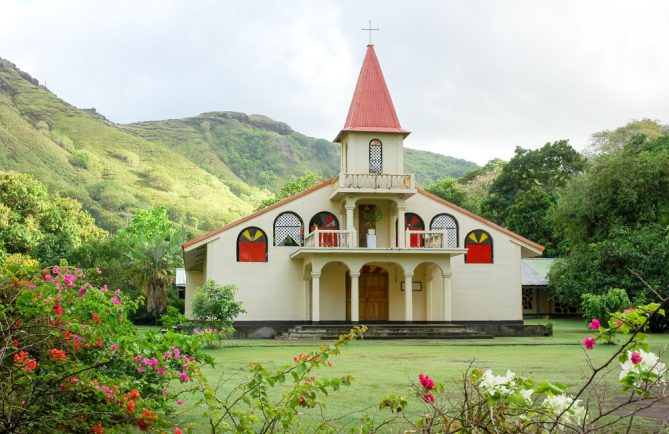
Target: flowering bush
{"x":70,"y":359}
{"x":510,"y":403}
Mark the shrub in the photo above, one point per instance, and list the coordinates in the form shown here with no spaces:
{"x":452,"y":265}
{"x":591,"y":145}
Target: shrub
{"x":214,"y":302}
{"x":603,"y":306}
{"x":82,"y":159}
{"x":70,"y":360}
{"x":172,"y":318}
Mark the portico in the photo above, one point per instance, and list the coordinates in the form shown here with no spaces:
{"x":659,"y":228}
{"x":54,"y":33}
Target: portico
{"x":336,"y":274}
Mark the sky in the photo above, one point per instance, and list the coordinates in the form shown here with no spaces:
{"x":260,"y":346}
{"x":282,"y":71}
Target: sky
{"x":470,"y":79}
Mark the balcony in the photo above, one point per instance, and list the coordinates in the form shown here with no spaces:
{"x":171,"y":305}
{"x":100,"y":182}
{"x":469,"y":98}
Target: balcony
{"x":373,"y":183}
{"x":340,"y":239}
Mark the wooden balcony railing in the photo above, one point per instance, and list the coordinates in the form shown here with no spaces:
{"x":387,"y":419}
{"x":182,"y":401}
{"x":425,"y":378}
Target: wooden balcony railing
{"x":329,"y":239}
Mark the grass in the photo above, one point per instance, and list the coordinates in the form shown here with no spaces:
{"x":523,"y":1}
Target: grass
{"x":381,"y":367}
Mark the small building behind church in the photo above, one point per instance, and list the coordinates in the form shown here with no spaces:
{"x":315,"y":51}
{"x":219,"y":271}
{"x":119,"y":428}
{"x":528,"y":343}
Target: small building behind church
{"x":369,"y":246}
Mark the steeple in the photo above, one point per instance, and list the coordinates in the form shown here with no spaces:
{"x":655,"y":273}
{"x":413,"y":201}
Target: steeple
{"x":372,"y":109}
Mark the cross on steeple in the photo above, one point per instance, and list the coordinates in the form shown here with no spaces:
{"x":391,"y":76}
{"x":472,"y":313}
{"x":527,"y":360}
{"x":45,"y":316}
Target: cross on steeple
{"x":370,"y":29}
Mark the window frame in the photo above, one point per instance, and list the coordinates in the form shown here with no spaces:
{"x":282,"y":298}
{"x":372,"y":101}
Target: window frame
{"x":274,"y":226}
{"x":239,"y":235}
{"x":380,"y":145}
{"x":492,"y":247}
{"x":457,"y":226}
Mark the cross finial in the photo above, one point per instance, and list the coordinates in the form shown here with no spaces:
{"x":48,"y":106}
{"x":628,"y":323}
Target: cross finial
{"x":370,"y":29}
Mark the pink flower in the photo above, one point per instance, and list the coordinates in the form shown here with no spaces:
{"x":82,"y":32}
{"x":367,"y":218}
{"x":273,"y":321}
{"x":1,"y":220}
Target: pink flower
{"x":426,"y":381}
{"x":48,"y":277}
{"x":180,"y":402}
{"x":167,"y":355}
{"x":594,"y":324}
{"x":184,"y":377}
{"x":140,"y":369}
{"x":114,"y":346}
{"x":81,"y":292}
{"x":137,"y":358}
{"x":635,"y":358}
{"x":589,"y":342}
{"x":629,"y":309}
{"x":177,"y":353}
{"x":58,"y":309}
{"x":115,"y":300}
{"x":618,"y":323}
{"x":161,"y":371}
{"x":428,"y":397}
{"x":69,"y":280}
{"x":32,"y":287}
{"x":120,"y":319}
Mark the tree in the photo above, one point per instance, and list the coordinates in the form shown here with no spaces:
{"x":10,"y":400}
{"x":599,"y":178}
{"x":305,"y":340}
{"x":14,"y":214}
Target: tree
{"x":449,"y":189}
{"x":47,"y":227}
{"x":477,"y":183}
{"x":607,"y":141}
{"x":614,"y":220}
{"x":522,"y":194}
{"x":293,"y":186}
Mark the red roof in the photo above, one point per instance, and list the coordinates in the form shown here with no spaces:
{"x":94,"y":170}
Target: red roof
{"x":372,"y":108}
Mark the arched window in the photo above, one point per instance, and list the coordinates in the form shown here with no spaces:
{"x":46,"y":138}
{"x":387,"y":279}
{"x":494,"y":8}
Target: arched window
{"x":326,"y":221}
{"x":375,"y":156}
{"x":413,"y":222}
{"x":479,"y":247}
{"x":446,"y":223}
{"x":252,"y":245}
{"x":288,"y":230}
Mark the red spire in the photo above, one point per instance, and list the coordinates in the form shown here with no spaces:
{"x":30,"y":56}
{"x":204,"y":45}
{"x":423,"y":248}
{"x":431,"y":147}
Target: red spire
{"x":371,"y":108}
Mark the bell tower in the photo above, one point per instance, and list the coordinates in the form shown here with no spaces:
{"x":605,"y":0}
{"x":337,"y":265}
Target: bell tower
{"x":372,"y":137}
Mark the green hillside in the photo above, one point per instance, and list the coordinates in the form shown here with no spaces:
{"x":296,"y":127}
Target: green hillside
{"x":208,"y":169}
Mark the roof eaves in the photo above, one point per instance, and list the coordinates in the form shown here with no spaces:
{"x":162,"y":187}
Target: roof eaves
{"x":520,"y":238}
{"x":217,"y":231}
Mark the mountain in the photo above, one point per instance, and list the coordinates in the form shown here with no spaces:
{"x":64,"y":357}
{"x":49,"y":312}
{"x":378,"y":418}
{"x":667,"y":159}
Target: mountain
{"x":208,"y":169}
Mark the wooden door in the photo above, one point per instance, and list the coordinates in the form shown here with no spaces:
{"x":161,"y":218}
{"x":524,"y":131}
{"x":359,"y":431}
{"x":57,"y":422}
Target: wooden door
{"x":373,"y":297}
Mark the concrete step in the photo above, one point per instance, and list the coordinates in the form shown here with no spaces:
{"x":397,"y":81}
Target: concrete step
{"x":384,"y":331}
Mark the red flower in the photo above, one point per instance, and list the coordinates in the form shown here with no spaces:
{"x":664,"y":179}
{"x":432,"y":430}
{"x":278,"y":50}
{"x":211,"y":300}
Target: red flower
{"x":595,"y":324}
{"x":428,"y":397}
{"x":58,"y":309}
{"x":25,"y":363}
{"x":130,"y":407}
{"x":57,"y":354}
{"x":98,"y":429}
{"x":589,"y":342}
{"x":133,"y":394}
{"x":426,"y":381}
{"x":635,"y":358}
{"x":178,"y":431}
{"x":95,"y":316}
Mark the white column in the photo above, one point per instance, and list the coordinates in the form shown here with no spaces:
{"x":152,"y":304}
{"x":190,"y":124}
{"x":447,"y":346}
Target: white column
{"x":307,"y":305}
{"x":355,"y":297}
{"x":350,"y":219}
{"x":428,"y":294}
{"x":315,"y":296}
{"x":447,"y":296}
{"x":408,"y":296}
{"x":401,"y":236}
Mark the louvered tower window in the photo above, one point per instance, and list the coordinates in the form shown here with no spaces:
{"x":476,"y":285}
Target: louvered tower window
{"x":375,"y":156}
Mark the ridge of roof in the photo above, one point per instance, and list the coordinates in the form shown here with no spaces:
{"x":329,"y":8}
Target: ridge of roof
{"x":371,"y":108}
{"x":485,"y":221}
{"x":256,"y":214}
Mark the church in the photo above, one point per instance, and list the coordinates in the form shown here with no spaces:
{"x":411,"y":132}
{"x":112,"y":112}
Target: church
{"x":368,"y":246}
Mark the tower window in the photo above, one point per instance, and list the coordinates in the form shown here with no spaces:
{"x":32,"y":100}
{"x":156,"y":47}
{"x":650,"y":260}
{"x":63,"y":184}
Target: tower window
{"x":375,"y":156}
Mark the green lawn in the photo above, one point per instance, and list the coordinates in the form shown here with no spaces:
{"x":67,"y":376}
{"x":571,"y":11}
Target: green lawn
{"x":381,"y":367}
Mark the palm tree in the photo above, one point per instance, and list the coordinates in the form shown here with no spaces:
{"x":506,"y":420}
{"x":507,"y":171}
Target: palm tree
{"x":153,"y":268}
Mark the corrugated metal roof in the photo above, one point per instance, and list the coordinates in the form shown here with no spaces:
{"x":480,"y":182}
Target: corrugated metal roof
{"x":372,"y":108}
{"x":180,"y":279}
{"x":535,"y":271}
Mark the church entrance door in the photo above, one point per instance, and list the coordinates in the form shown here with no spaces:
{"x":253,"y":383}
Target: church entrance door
{"x":373,"y":297}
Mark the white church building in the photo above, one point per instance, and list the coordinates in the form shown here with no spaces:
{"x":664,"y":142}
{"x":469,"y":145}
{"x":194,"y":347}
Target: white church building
{"x":368,"y":246}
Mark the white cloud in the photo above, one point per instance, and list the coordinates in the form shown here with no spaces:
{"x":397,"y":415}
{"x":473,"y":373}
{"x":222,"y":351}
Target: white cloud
{"x":470,"y":79}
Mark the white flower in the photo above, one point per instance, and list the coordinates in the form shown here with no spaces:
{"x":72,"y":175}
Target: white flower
{"x":558,"y":403}
{"x":491,"y":384}
{"x":650,"y":363}
{"x":527,"y":395}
